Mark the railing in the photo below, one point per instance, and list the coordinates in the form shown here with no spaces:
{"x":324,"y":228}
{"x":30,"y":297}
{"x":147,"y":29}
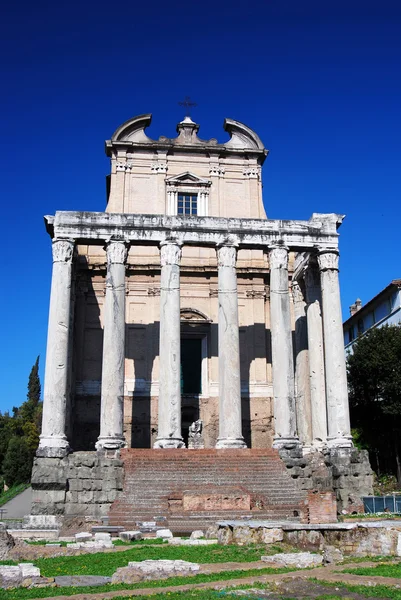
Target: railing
{"x":378,"y":504}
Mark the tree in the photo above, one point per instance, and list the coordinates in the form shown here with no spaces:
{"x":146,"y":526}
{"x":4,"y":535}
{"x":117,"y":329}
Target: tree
{"x":374,"y":380}
{"x":29,"y":409}
{"x":17,"y":464}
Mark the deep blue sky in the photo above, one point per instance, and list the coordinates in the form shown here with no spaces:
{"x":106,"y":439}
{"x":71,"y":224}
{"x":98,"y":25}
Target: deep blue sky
{"x":319,"y":81}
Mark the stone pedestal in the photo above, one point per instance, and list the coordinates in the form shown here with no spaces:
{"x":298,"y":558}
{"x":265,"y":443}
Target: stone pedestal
{"x":230,"y":424}
{"x":169,"y":417}
{"x":302,"y":388}
{"x":282,"y":356}
{"x":339,"y":430}
{"x":112,"y":396}
{"x":53,"y":441}
{"x":316,"y":356}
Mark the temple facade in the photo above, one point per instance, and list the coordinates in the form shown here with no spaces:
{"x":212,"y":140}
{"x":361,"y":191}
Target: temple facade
{"x":183,"y":316}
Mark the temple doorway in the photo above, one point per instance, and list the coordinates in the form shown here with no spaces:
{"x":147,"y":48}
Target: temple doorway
{"x":191,"y":382}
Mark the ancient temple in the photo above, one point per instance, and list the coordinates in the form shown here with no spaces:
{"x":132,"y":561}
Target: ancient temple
{"x":183,"y":323}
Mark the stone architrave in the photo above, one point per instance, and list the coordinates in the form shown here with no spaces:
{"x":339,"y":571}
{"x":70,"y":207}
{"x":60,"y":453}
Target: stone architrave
{"x":339,"y":429}
{"x":169,"y":417}
{"x":112,"y":396}
{"x":316,"y":355}
{"x":230,"y":422}
{"x":302,"y":388}
{"x":282,"y":354}
{"x":53,"y":441}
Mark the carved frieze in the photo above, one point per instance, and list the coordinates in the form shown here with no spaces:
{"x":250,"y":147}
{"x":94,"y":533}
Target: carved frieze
{"x":120,"y":166}
{"x":159,"y":167}
{"x":154,"y":291}
{"x":252,"y":173}
{"x":216,"y":170}
{"x":62,"y":250}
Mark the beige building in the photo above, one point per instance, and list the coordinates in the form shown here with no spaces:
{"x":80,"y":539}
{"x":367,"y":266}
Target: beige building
{"x":181,"y":176}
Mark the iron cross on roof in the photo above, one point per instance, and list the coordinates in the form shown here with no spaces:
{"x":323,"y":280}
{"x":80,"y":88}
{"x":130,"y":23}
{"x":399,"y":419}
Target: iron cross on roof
{"x":187,"y":102}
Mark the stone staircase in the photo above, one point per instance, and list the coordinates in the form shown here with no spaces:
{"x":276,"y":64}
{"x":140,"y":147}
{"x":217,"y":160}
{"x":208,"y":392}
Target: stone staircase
{"x":189,"y":489}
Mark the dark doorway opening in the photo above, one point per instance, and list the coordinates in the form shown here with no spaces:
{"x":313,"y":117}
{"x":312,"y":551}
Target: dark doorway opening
{"x":191,"y":382}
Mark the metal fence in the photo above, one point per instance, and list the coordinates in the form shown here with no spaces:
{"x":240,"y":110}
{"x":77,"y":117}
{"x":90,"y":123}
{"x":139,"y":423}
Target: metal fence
{"x":377,"y":504}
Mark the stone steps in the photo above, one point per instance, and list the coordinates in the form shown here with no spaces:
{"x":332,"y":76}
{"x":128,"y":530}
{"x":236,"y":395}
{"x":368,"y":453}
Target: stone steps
{"x":156,"y":480}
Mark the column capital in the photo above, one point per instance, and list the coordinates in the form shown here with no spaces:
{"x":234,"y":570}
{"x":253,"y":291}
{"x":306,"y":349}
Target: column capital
{"x":170,"y":252}
{"x":62,"y":250}
{"x":226,"y":255}
{"x":117,"y":252}
{"x":328,"y":260}
{"x":278,"y":256}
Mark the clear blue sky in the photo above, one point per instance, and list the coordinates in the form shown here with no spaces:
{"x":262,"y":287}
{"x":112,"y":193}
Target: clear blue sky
{"x":319,"y":81}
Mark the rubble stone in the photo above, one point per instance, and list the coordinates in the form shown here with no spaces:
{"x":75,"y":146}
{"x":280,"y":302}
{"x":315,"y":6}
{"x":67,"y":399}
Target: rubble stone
{"x":299,"y":560}
{"x":153,"y":569}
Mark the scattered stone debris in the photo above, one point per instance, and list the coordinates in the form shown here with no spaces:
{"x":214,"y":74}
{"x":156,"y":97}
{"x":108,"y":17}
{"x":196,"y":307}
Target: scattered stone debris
{"x":197,"y":535}
{"x":164,"y":534}
{"x":153,"y":569}
{"x":300,"y":560}
{"x":177,"y":541}
{"x":332,"y":555}
{"x":128,"y":536}
{"x":84,"y":536}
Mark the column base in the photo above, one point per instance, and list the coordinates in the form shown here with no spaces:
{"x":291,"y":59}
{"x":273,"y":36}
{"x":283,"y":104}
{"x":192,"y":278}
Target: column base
{"x":286,"y":442}
{"x":110,"y":443}
{"x":53,"y":447}
{"x":177,"y":442}
{"x":230,"y":443}
{"x":340,"y":442}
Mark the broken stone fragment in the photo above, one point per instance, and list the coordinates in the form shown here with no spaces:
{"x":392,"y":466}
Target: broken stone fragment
{"x":299,"y":560}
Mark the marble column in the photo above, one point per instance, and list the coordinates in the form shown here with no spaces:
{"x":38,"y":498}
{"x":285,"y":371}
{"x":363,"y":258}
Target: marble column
{"x":316,"y":356}
{"x":53,"y":441}
{"x":112,"y":397}
{"x":230,"y":422}
{"x":302,"y":388}
{"x":339,"y":430}
{"x":169,"y":416}
{"x":282,"y":355}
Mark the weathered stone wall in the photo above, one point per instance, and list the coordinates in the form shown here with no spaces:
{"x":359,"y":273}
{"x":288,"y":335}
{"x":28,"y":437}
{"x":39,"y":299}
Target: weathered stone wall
{"x":346,"y":471}
{"x":82,"y":483}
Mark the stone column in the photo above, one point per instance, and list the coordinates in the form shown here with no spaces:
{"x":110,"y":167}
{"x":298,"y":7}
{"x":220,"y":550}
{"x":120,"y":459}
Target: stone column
{"x":339,"y":430}
{"x":112,"y":397}
{"x":230,"y":423}
{"x":316,"y":356}
{"x":169,"y":417}
{"x":282,"y":356}
{"x":302,"y":388}
{"x":53,"y":441}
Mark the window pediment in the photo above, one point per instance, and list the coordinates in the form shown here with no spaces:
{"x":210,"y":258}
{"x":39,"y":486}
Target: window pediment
{"x":188,"y":179}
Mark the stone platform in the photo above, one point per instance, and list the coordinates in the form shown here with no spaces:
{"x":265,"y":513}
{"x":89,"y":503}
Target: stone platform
{"x":193,"y":488}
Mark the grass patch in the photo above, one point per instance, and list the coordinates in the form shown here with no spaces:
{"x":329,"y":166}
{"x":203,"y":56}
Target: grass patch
{"x":12,"y":492}
{"x":105,"y":563}
{"x":376,"y":591}
{"x":381,"y":570}
{"x":25,"y":594}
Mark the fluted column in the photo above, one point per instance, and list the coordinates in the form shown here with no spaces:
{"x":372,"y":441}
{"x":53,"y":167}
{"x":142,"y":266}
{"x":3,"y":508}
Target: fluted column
{"x":230,"y":422}
{"x":53,"y":441}
{"x":316,"y":356}
{"x":339,"y":430}
{"x":112,"y":396}
{"x":169,"y":416}
{"x":302,"y":388}
{"x":282,"y":356}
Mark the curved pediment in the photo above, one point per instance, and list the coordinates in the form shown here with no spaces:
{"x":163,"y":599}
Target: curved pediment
{"x":193,"y":315}
{"x":133,"y":130}
{"x":242,"y":136}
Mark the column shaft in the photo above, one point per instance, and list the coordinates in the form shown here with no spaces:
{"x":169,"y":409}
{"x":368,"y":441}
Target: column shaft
{"x":339,"y":430}
{"x":169,"y":415}
{"x":316,"y":356}
{"x":53,"y":441}
{"x":302,"y":388}
{"x":112,"y":396}
{"x":282,"y":356}
{"x":230,"y":422}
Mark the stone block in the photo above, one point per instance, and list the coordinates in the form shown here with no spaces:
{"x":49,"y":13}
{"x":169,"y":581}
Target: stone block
{"x":164,"y":534}
{"x":270,"y":536}
{"x":84,"y":473}
{"x":153,"y":569}
{"x":225,"y":535}
{"x":29,"y":570}
{"x":84,"y":497}
{"x":81,"y":580}
{"x":128,"y":536}
{"x":76,"y":485}
{"x":332,"y":555}
{"x":83,"y":536}
{"x":10,"y":576}
{"x":6,"y":544}
{"x":245,"y":535}
{"x":300,"y":560}
{"x":211,"y":532}
{"x":196,"y":535}
{"x":102,"y":536}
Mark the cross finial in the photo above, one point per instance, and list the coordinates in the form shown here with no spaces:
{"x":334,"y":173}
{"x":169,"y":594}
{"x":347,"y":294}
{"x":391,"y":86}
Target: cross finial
{"x":187,"y":102}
